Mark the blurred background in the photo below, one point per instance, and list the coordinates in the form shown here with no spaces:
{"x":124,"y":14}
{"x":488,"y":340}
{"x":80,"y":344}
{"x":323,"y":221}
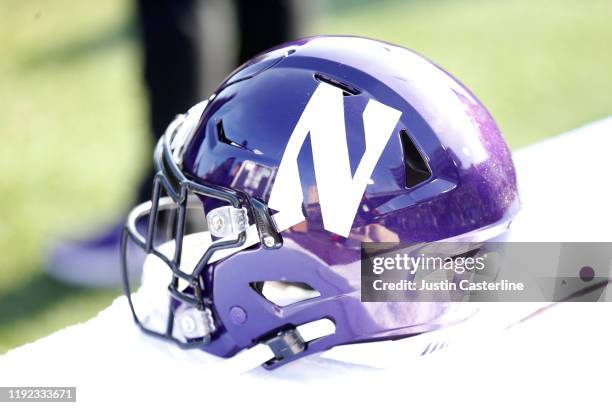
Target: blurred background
{"x":74,"y":125}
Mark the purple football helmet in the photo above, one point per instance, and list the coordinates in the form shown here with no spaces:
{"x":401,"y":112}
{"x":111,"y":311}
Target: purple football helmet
{"x":267,"y":190}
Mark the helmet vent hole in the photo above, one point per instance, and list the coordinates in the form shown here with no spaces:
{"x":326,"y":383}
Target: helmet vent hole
{"x":347,"y":90}
{"x":417,"y":169}
{"x":222,"y":136}
{"x":283,"y":293}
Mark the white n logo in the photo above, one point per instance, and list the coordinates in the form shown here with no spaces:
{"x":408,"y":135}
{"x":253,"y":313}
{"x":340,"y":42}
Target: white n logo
{"x":339,"y":192}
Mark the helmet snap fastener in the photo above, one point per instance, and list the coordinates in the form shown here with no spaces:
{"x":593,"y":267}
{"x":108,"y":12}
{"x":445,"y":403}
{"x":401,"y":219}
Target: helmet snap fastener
{"x":188,"y":325}
{"x":238,"y":315}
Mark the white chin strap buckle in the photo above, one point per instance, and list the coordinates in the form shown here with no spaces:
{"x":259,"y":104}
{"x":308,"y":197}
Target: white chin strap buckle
{"x":226,"y":221}
{"x":194,"y":323}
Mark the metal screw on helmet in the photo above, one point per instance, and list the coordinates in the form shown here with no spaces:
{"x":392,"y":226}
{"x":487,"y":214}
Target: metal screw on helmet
{"x":217,"y":223}
{"x":188,"y":325}
{"x":269,"y":241}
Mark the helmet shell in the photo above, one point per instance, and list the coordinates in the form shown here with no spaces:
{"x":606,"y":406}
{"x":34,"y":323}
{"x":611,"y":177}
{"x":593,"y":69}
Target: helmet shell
{"x":242,"y":137}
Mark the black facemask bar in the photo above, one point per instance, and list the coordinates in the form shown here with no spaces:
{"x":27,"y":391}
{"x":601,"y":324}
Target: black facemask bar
{"x":178,"y":187}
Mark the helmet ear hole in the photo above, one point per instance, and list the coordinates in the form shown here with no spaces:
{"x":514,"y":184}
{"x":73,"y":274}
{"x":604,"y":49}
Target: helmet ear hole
{"x":283,"y":293}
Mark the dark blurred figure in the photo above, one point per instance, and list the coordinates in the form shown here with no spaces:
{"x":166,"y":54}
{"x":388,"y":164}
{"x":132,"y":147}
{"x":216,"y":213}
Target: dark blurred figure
{"x":174,"y":51}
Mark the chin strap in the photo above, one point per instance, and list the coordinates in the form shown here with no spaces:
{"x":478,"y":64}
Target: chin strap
{"x":285,"y":345}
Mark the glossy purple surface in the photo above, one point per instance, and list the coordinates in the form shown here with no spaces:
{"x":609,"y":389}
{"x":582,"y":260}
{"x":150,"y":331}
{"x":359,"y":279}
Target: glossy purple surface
{"x":472,"y":186}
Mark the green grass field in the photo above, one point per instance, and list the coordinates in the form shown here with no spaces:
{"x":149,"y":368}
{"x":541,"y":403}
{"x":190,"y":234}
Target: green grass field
{"x":73,"y":124}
